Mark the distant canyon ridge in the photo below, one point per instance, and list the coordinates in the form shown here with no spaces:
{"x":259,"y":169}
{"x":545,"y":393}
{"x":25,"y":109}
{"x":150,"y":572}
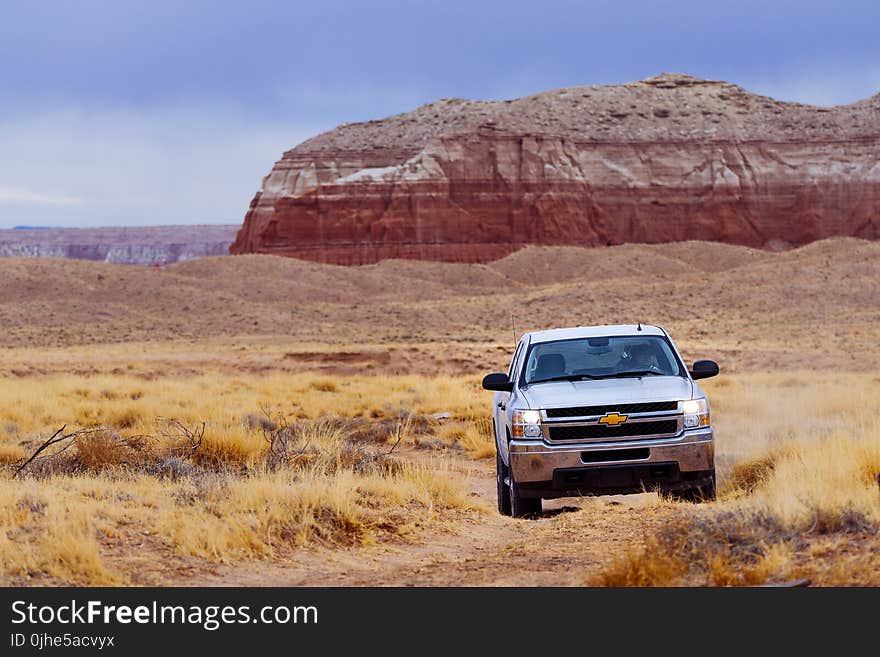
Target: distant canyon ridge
{"x":142,"y":245}
{"x":664,"y":159}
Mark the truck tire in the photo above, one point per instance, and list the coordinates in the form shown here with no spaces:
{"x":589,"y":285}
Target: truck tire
{"x":503,"y":490}
{"x":696,"y":494}
{"x":522,"y":507}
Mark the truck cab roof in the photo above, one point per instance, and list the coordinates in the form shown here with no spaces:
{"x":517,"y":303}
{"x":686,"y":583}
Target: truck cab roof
{"x":592,"y":332}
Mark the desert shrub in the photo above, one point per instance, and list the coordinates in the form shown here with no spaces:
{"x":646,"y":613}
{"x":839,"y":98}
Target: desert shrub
{"x":364,"y":430}
{"x":105,"y":448}
{"x":774,"y":562}
{"x":846,"y":521}
{"x":750,"y":473}
{"x":650,"y":565}
{"x":99,"y":449}
{"x":730,"y":548}
{"x":123,"y":418}
{"x":331,"y":444}
{"x":173,"y":467}
{"x":220,"y":452}
{"x":254,"y":422}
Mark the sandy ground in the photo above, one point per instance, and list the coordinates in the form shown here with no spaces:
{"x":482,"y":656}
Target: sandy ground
{"x":810,"y":309}
{"x":745,"y":307}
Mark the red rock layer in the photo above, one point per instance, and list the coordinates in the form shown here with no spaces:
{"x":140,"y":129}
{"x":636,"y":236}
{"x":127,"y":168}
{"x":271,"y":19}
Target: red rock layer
{"x":667,"y":159}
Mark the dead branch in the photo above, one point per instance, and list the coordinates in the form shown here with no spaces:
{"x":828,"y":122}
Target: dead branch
{"x":184,"y":442}
{"x":177,"y":432}
{"x":54,"y":439}
{"x":393,"y":447}
{"x":402,"y":429}
{"x":282,"y":439}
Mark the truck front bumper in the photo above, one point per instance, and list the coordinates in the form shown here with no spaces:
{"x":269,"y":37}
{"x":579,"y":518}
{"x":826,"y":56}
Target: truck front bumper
{"x":542,"y":469}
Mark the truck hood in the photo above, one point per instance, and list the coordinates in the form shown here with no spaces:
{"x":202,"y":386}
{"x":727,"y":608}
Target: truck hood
{"x":560,"y":394}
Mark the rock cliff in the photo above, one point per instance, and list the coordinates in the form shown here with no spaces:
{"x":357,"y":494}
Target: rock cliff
{"x":664,"y":159}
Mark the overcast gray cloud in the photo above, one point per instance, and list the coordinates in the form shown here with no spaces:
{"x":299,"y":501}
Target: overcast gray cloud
{"x":124,"y":112}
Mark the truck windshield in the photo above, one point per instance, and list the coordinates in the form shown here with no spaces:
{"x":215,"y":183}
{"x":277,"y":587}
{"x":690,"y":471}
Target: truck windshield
{"x":601,"y":358}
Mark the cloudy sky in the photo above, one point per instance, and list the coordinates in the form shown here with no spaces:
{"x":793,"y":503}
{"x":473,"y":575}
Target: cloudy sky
{"x":114,"y":112}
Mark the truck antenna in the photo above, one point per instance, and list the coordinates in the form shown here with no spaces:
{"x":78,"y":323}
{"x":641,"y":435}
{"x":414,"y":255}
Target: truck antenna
{"x":639,"y":327}
{"x":513,"y":327}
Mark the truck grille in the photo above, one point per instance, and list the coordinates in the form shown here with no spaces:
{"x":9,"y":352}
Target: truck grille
{"x":581,"y":411}
{"x":593,"y":431}
{"x":607,"y":455}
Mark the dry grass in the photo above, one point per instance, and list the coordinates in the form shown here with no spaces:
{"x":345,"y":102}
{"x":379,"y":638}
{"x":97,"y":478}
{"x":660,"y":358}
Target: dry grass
{"x":804,"y":480}
{"x":761,"y":413}
{"x":650,"y":565}
{"x":34,"y":404}
{"x":50,"y":535}
{"x":293,"y":460}
{"x":473,"y":436}
{"x":59,"y":526}
{"x":284,"y":462}
{"x":234,"y":517}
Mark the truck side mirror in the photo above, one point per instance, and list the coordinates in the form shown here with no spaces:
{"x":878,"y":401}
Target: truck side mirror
{"x":497,"y":381}
{"x":703,"y":369}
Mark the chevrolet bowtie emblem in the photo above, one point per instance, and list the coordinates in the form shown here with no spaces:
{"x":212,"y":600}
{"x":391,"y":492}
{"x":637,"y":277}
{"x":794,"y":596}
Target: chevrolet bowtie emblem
{"x":612,"y":419}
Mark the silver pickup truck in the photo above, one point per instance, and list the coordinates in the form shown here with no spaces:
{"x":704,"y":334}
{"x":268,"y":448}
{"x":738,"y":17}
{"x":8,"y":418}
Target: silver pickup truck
{"x":600,"y":410}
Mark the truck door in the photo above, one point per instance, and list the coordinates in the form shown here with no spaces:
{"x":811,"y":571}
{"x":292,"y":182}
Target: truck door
{"x":501,"y":401}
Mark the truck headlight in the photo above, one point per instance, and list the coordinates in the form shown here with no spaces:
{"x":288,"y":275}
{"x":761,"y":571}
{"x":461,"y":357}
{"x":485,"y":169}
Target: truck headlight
{"x":527,"y":424}
{"x":696,"y":413}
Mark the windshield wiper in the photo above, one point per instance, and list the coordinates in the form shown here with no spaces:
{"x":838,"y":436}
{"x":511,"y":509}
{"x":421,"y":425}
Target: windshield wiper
{"x":566,"y":377}
{"x":632,"y":373}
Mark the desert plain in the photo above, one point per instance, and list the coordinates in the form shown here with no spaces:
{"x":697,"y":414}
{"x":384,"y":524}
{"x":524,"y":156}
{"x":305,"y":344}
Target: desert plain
{"x":258,"y":420}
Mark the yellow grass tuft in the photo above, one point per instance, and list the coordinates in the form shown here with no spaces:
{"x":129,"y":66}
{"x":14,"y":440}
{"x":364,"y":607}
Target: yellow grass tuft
{"x":474,"y":436}
{"x":49,"y":534}
{"x":651,"y":565}
{"x":750,"y":473}
{"x":10,"y":453}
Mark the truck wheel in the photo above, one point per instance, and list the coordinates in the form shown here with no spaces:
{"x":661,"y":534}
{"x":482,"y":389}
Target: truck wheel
{"x":697,"y":494}
{"x":523,"y":507}
{"x":503,"y":490}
